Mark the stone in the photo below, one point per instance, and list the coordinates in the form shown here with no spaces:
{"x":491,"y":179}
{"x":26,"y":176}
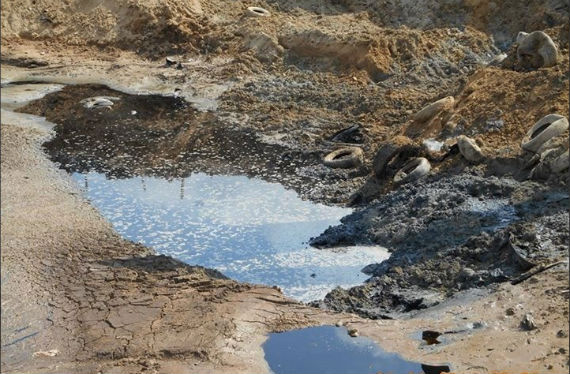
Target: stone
{"x":469,"y":149}
{"x":353,"y":333}
{"x":528,"y":322}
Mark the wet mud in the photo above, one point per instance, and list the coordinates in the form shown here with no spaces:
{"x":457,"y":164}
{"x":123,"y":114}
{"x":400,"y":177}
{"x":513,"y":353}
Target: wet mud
{"x":487,"y":214}
{"x":146,"y":135}
{"x":449,"y":234}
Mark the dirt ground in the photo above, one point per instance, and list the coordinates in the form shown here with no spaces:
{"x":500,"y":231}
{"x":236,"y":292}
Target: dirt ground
{"x":269,"y":97}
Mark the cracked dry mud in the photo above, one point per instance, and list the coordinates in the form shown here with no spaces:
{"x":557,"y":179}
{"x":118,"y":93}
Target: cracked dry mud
{"x":90,"y":296}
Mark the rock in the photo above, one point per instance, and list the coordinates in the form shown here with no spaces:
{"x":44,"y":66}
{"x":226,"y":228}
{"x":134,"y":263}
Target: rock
{"x":353,"y":333}
{"x":467,"y":273}
{"x":50,"y":353}
{"x":469,"y":149}
{"x":371,"y":269}
{"x":528,"y":323}
{"x":560,"y":163}
{"x":510,"y":312}
{"x":431,"y":336}
{"x":339,"y":324}
{"x":562,"y":334}
{"x":265,"y":47}
{"x":432,"y":145}
{"x":479,"y":325}
{"x":170,"y":61}
{"x":429,"y":111}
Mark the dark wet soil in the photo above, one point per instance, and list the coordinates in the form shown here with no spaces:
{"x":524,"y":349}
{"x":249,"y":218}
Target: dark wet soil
{"x":449,"y":234}
{"x":451,"y":231}
{"x":161,"y":136}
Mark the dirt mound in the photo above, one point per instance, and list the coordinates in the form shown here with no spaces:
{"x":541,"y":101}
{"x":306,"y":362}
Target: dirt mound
{"x":502,"y":19}
{"x":500,"y":114}
{"x":145,"y":26}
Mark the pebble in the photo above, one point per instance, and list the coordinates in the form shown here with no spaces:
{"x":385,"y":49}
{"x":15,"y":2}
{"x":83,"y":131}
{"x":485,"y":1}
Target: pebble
{"x":353,"y":333}
{"x":528,"y":323}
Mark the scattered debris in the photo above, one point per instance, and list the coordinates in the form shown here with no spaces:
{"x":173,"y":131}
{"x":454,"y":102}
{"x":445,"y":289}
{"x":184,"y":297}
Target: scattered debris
{"x":50,"y":353}
{"x":429,"y":111}
{"x":469,"y":149}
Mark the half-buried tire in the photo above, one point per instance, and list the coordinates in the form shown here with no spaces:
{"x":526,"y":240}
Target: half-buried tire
{"x":388,"y":152}
{"x":344,"y":158}
{"x":255,"y":11}
{"x":545,"y":129}
{"x":412,"y":170}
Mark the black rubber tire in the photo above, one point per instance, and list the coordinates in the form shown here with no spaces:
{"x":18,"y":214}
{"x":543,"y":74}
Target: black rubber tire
{"x":412,"y":170}
{"x":545,"y":129}
{"x":388,"y":152}
{"x":353,"y":157}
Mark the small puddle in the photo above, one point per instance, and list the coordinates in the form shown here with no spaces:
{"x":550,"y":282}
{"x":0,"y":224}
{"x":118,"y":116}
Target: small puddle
{"x":330,"y":350}
{"x":495,"y":214}
{"x":251,"y":230}
{"x":14,"y":96}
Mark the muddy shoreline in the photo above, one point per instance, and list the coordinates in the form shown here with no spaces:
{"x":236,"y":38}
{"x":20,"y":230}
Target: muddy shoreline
{"x":270,"y":97}
{"x":148,"y":273}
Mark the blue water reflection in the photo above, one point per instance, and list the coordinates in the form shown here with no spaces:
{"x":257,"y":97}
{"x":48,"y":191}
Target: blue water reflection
{"x":329,"y":350}
{"x":249,"y":229}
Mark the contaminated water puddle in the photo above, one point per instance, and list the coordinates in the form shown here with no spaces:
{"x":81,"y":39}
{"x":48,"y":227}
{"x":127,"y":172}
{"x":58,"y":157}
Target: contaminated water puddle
{"x":330,"y":350}
{"x":251,"y":230}
{"x":14,"y":96}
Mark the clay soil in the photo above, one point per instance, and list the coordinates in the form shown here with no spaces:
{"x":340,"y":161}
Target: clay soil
{"x":268,"y":97}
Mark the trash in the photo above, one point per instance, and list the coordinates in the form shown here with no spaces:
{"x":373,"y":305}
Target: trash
{"x":50,"y":353}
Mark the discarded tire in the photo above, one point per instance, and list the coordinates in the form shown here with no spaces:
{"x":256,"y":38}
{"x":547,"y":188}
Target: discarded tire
{"x":469,"y":149}
{"x":545,"y":129}
{"x":539,"y":47}
{"x":412,"y":170}
{"x":388,"y":152}
{"x":254,"y":11}
{"x":99,"y":102}
{"x":429,"y":111}
{"x":344,"y":158}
